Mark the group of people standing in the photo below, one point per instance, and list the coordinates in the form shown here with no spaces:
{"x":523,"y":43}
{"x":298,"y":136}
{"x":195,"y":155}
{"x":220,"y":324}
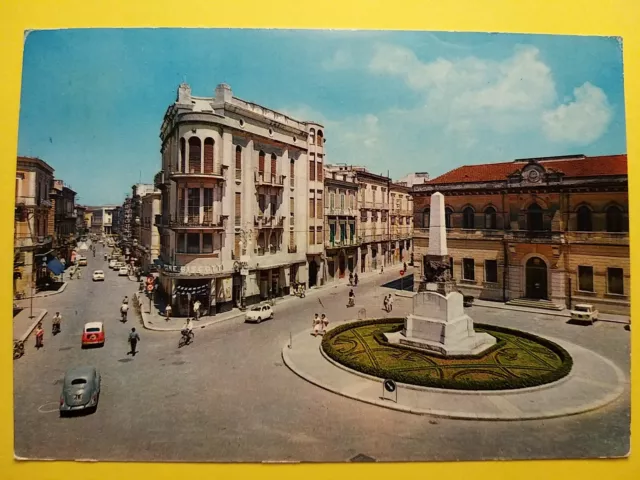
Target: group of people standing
{"x":387,"y":304}
{"x":319,"y":324}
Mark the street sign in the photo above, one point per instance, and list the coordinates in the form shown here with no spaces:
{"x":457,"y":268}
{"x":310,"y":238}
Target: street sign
{"x":401,"y":272}
{"x":389,"y":386}
{"x":150,"y":279}
{"x":150,"y":288}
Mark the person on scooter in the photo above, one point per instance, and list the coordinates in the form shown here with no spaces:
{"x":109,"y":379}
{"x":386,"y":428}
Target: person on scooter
{"x":56,"y":322}
{"x":352,"y":299}
{"x":124,"y":308}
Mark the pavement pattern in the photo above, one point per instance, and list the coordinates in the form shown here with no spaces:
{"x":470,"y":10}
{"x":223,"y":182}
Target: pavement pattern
{"x":229,"y":398}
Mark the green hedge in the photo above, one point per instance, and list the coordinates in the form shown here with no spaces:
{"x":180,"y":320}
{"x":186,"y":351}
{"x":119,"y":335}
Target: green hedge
{"x":403,"y":377}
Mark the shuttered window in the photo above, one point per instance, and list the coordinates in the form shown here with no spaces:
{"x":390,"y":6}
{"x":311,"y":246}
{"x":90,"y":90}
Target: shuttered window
{"x":195,"y":155}
{"x":208,"y":155}
{"x":261,"y":162}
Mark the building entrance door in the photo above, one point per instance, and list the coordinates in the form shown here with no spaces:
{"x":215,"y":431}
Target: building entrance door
{"x":342,"y":264}
{"x":536,"y":278}
{"x":313,"y":273}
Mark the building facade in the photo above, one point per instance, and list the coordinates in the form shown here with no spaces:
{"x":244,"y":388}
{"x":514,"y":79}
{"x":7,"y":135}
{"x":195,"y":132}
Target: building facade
{"x":373,"y":203}
{"x":341,"y":222}
{"x":149,"y":244}
{"x":65,"y":220}
{"x":81,"y":220}
{"x":102,"y":219}
{"x":417,"y":178}
{"x":552,"y":229}
{"x":401,"y":223}
{"x":33,"y":224}
{"x":242,"y":210}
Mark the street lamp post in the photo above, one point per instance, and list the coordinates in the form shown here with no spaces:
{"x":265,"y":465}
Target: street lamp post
{"x":242,"y":264}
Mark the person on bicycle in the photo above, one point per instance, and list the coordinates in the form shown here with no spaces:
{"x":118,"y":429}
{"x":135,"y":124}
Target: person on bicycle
{"x":124,"y":308}
{"x":187,"y":330}
{"x":125,"y":300}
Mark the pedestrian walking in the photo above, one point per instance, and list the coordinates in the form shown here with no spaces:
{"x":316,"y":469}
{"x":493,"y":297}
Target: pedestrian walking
{"x":167,"y":311}
{"x":39,"y":336}
{"x":316,"y":324}
{"x":385,"y":303}
{"x":350,"y":279}
{"x":325,"y":323}
{"x":355,"y":280}
{"x":404,"y":266}
{"x":390,"y":303}
{"x":196,"y":309}
{"x":134,"y":338}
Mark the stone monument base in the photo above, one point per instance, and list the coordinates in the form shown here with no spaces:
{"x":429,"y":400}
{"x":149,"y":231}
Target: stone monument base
{"x":442,"y":327}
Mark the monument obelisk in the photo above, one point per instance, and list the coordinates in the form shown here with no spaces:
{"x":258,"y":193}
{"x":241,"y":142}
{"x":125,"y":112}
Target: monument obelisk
{"x":440,"y":324}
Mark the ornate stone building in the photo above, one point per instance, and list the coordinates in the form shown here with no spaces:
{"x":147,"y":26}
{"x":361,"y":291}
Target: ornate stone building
{"x":553,"y":230}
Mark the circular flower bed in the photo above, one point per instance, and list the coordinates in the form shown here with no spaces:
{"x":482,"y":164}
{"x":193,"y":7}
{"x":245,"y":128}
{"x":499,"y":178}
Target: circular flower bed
{"x":518,"y":360}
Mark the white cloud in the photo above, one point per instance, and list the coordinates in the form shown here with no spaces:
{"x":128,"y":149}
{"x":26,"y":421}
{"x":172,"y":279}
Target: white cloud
{"x":341,"y":59}
{"x":581,"y":121}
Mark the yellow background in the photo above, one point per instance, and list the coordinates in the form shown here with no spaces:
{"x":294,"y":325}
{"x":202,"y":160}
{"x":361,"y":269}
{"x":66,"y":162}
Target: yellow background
{"x":578,"y":17}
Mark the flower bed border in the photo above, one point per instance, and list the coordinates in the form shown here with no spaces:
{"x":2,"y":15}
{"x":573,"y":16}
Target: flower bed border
{"x":497,"y":384}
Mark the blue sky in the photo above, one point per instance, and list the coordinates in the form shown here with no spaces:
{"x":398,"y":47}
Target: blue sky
{"x":93,"y":100}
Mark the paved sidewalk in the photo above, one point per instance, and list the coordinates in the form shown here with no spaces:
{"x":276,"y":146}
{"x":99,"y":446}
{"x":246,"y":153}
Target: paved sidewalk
{"x":155,"y":319}
{"x":23,"y":325}
{"x":593,"y":383}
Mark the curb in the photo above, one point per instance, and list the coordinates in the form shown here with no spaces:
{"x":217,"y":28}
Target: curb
{"x":503,"y":306}
{"x":45,"y":295}
{"x":33,"y":326}
{"x":457,"y":415}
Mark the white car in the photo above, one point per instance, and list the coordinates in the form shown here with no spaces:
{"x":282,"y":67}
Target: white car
{"x":82,"y":261}
{"x":123,"y":272}
{"x":584,"y":312}
{"x":259,"y":313}
{"x":112,"y":263}
{"x":98,"y":276}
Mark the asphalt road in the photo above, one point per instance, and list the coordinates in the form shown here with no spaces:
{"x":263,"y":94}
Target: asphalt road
{"x":229,"y":398}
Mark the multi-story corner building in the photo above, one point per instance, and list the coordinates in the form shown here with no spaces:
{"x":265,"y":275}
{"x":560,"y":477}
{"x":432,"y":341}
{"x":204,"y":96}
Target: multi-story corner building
{"x":102,"y":219}
{"x":117,"y":221}
{"x":65,"y":219}
{"x":341,"y":221}
{"x":149,"y":244}
{"x":553,"y":230}
{"x":417,"y":178}
{"x":138,"y":191}
{"x":242,"y":209}
{"x":401,"y":223}
{"x":33,"y":226}
{"x":81,"y":220}
{"x":373,"y":202}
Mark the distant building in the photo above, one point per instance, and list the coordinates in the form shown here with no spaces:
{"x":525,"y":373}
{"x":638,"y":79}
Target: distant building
{"x":102,"y":219}
{"x":418,"y":178}
{"x":148,"y":250}
{"x":81,"y":220}
{"x":65,"y":219}
{"x":548,"y":232}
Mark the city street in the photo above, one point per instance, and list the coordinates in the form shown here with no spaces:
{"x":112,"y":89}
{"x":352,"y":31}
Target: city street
{"x":228,"y":396}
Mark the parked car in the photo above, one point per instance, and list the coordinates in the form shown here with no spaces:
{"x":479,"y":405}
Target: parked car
{"x":259,"y":313}
{"x":80,"y":390}
{"x":93,"y":334}
{"x":123,"y":272}
{"x":98,"y":276}
{"x":112,"y":263}
{"x":583,"y":312}
{"x":82,"y":261}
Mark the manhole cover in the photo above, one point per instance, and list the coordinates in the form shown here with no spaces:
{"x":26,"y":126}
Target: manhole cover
{"x":361,"y":457}
{"x":179,"y":362}
{"x":62,"y":349}
{"x":125,"y":360}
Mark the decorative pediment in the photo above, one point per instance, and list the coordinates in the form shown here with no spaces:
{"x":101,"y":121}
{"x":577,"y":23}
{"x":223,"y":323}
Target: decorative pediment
{"x":533,"y":173}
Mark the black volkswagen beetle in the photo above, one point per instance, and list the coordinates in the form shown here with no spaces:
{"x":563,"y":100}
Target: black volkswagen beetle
{"x":81,"y":390}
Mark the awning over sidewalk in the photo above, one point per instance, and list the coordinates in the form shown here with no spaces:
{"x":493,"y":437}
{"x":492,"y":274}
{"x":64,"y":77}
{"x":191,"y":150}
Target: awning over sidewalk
{"x":193,"y":290}
{"x":55,"y":266}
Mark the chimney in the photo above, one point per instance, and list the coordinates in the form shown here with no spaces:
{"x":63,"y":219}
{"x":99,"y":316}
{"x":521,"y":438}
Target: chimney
{"x":224,"y":93}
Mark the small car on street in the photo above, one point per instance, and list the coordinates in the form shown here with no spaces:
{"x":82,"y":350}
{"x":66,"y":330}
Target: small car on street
{"x":123,"y":272}
{"x":258,"y":313}
{"x":82,"y":261}
{"x":98,"y":276}
{"x":112,"y":263}
{"x":583,"y":312}
{"x":80,"y":390}
{"x":93,"y":334}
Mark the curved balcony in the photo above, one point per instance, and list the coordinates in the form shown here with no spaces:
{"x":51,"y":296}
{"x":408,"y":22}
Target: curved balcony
{"x":215,"y":222}
{"x":218,"y":173}
{"x":268,"y":221}
{"x":269,"y":179}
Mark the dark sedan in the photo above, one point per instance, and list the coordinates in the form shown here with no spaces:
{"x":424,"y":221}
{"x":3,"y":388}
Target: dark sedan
{"x":81,"y":390}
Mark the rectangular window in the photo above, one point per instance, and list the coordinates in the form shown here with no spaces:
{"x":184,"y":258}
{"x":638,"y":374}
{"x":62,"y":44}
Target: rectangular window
{"x":274,"y":165}
{"x":615,"y":281}
{"x":491,"y":271}
{"x":318,"y":235}
{"x":236,"y":246}
{"x":312,"y":170}
{"x":193,"y":207}
{"x":292,"y":240}
{"x":181,"y":239}
{"x":207,"y":243}
{"x":342,"y":201}
{"x":208,"y":204}
{"x":332,"y":200}
{"x":193,"y":243}
{"x":468,"y":269}
{"x":585,"y":278}
{"x":352,"y":233}
{"x":319,"y":209}
{"x":312,"y":208}
{"x":319,"y":168}
{"x":262,"y":203}
{"x":292,"y":173}
{"x":181,"y":201}
{"x":332,"y":232}
{"x":451,"y":266}
{"x":312,"y":238}
{"x":274,"y":205}
{"x":238,"y":209}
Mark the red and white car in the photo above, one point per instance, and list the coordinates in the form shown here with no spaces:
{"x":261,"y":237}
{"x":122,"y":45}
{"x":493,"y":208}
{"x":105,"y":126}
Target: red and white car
{"x":93,"y":334}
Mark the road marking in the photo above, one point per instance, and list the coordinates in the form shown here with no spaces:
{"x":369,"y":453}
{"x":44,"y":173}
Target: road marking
{"x":47,"y":407}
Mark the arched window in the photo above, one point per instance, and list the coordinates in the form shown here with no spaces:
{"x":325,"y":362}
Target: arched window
{"x":447,"y":217}
{"x":195,"y":156}
{"x":181,"y":158}
{"x":468,"y":218}
{"x":274,"y":164}
{"x":320,"y":138}
{"x":312,"y":136}
{"x":534,"y":218}
{"x":425,"y":218}
{"x":208,"y":155}
{"x":261,"y":162}
{"x":490,"y":222}
{"x":614,"y":219}
{"x":584,"y":219}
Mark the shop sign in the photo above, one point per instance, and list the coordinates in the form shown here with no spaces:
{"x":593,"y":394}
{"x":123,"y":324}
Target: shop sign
{"x":193,"y":269}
